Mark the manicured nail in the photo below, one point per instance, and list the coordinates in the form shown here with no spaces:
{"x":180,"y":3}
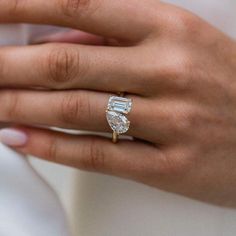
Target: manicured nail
{"x":13,"y":137}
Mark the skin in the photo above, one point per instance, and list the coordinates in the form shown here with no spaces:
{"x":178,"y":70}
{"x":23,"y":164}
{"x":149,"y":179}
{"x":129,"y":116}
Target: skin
{"x":179,"y":70}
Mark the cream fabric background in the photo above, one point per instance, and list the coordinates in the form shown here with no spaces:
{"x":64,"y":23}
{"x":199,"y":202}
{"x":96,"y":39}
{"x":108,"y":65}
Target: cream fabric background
{"x":28,"y":205}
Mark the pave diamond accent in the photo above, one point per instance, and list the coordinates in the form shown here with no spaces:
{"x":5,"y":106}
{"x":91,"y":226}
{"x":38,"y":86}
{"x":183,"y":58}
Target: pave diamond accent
{"x":120,"y":104}
{"x":118,"y":122}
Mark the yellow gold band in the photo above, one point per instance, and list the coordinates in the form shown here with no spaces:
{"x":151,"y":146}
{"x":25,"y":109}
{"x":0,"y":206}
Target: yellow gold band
{"x":115,"y":137}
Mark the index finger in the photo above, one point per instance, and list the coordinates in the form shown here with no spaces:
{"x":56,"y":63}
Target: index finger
{"x":110,"y":18}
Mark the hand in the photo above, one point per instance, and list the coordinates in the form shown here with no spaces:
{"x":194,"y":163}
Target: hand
{"x":179,"y":71}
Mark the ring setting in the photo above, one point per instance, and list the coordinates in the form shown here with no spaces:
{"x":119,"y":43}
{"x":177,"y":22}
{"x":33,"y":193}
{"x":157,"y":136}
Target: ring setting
{"x":117,"y":109}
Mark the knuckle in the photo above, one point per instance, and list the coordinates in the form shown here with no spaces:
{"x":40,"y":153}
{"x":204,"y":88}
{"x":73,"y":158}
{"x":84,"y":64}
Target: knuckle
{"x":74,"y":7}
{"x":178,"y":162}
{"x":181,"y":63}
{"x":96,"y":158}
{"x":12,"y":7}
{"x":51,"y":152}
{"x":184,"y":22}
{"x":11,"y":102}
{"x":75,"y":108}
{"x":61,"y":66}
{"x":70,"y":107}
{"x":178,"y":71}
{"x":2,"y":66}
{"x":175,"y":62}
{"x":183,"y":119}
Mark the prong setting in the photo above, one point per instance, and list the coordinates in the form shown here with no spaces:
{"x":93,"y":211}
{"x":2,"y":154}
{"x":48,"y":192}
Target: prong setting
{"x":116,"y":110}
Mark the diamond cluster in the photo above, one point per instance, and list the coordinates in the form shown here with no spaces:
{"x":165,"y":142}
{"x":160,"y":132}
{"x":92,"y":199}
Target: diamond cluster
{"x":117,"y":108}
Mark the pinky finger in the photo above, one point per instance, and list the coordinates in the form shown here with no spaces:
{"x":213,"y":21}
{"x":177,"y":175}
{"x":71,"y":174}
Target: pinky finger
{"x":130,"y":159}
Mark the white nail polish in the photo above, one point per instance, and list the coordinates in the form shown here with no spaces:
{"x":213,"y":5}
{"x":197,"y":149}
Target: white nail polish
{"x":13,"y":137}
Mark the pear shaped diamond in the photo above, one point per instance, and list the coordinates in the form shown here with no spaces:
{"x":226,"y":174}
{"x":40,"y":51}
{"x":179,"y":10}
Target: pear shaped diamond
{"x":118,"y":122}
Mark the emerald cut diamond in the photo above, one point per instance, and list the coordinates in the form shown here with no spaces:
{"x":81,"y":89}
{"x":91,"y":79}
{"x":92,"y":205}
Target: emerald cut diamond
{"x":119,"y":104}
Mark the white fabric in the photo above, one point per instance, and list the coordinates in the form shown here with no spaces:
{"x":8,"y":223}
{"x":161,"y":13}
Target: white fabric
{"x":105,"y":205}
{"x":28,"y":205}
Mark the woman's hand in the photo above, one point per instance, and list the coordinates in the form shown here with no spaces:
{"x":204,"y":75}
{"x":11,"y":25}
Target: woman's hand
{"x":179,"y":71}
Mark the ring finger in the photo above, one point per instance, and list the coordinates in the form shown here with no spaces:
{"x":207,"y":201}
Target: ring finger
{"x":84,"y":110}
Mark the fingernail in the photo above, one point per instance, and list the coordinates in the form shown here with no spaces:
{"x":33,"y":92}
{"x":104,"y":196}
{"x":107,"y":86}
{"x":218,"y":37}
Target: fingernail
{"x":13,"y":137}
{"x":48,"y":38}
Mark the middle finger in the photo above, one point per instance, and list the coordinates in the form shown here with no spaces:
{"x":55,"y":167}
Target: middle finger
{"x":66,"y":66}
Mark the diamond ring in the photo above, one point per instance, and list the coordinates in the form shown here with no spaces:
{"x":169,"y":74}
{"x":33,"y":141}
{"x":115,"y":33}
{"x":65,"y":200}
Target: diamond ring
{"x":117,"y":109}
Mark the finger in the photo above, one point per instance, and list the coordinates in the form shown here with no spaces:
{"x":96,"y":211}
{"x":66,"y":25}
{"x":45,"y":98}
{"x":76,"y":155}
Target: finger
{"x":81,"y":110}
{"x":66,"y":66}
{"x":86,"y":110}
{"x":104,"y":17}
{"x":73,"y":36}
{"x":127,"y":158}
